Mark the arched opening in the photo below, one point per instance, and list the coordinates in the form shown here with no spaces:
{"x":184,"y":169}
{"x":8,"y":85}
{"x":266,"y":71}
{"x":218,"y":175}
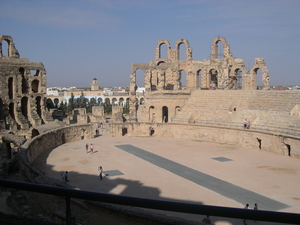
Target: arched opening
{"x":24,"y":107}
{"x":199,"y":79}
{"x":165,"y":114}
{"x":239,"y":78}
{"x":142,"y":101}
{"x":34,"y":133}
{"x":288,"y":149}
{"x":55,"y":102}
{"x":49,"y":103}
{"x":139,"y":78}
{"x":114,"y":101}
{"x":24,"y":84}
{"x":10,"y":88}
{"x":124,"y":131}
{"x":38,"y":106}
{"x":151,"y":114}
{"x":5,"y":48}
{"x":151,"y":131}
{"x":182,"y":52}
{"x":220,"y":53}
{"x":177,"y":109}
{"x":163,"y":51}
{"x":121,"y":101}
{"x":35,"y":86}
{"x":183,"y":80}
{"x":100,"y":101}
{"x":258,"y":75}
{"x":213,"y":75}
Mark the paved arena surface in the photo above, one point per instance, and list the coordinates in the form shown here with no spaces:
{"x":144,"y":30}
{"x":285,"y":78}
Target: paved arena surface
{"x":180,"y":170}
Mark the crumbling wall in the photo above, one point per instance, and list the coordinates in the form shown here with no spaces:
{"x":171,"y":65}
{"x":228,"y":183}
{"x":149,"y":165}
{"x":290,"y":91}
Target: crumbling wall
{"x":22,"y":90}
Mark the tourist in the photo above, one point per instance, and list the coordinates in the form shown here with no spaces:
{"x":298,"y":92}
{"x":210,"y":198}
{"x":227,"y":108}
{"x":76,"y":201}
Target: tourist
{"x":92,"y":148}
{"x":87,"y":148}
{"x":206,"y":220}
{"x":248,"y":124}
{"x":64,"y":176}
{"x":101,"y":171}
{"x":245,"y":123}
{"x":246,"y":207}
{"x":255,"y":206}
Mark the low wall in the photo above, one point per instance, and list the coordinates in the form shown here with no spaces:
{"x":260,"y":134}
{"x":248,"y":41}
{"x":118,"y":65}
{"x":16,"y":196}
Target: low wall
{"x":49,"y":140}
{"x":266,"y":141}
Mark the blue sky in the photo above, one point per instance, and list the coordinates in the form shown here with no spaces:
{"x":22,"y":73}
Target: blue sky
{"x":78,"y":40}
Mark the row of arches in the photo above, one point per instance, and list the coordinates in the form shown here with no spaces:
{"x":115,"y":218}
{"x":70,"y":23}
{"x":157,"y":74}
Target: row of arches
{"x":213,"y":79}
{"x":27,"y":86}
{"x":162,"y":115}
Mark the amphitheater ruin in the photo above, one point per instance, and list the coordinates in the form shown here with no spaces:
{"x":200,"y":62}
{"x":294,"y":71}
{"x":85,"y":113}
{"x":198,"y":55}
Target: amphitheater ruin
{"x":220,"y":93}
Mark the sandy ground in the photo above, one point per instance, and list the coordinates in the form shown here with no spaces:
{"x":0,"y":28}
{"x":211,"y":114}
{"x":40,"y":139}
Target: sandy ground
{"x":274,"y":176}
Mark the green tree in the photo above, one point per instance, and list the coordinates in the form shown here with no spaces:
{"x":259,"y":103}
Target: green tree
{"x":90,"y":105}
{"x":72,"y":104}
{"x":107,"y":106}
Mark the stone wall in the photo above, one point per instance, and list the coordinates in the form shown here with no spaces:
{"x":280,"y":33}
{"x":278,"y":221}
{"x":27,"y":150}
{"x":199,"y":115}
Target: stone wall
{"x":265,"y":141}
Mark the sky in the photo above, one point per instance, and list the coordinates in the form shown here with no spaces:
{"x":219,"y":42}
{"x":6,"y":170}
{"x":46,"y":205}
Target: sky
{"x":79,"y":40}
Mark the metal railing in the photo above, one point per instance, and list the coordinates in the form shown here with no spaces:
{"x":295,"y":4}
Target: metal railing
{"x":258,"y":215}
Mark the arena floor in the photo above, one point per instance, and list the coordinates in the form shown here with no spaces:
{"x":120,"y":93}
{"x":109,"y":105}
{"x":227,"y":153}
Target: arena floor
{"x":190,"y":171}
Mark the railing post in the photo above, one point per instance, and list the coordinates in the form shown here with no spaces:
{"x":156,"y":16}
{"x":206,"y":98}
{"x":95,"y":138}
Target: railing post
{"x":68,"y":211}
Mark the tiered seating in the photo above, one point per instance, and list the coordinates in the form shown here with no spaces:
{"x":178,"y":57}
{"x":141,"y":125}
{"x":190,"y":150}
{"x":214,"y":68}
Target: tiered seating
{"x":267,"y":110}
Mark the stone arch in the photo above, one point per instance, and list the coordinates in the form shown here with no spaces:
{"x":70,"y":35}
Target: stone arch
{"x":34,"y":133}
{"x":158,"y":48}
{"x":259,"y":63}
{"x":49,"y":103}
{"x":24,"y":107}
{"x":35,"y":86}
{"x":188,"y":49}
{"x":24,"y":84}
{"x":142,"y":101}
{"x":114,"y":101}
{"x":183,"y":79}
{"x":11,"y":88}
{"x":11,"y":51}
{"x":214,"y":48}
{"x":100,"y":101}
{"x":213,"y":78}
{"x":152,"y":114}
{"x":165,"y":114}
{"x":38,"y":100}
{"x":121,"y":101}
{"x":177,"y":109}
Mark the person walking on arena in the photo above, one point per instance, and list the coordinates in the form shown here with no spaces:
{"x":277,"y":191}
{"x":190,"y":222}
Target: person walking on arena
{"x":92,"y":148}
{"x":101,"y":171}
{"x":87,"y":148}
